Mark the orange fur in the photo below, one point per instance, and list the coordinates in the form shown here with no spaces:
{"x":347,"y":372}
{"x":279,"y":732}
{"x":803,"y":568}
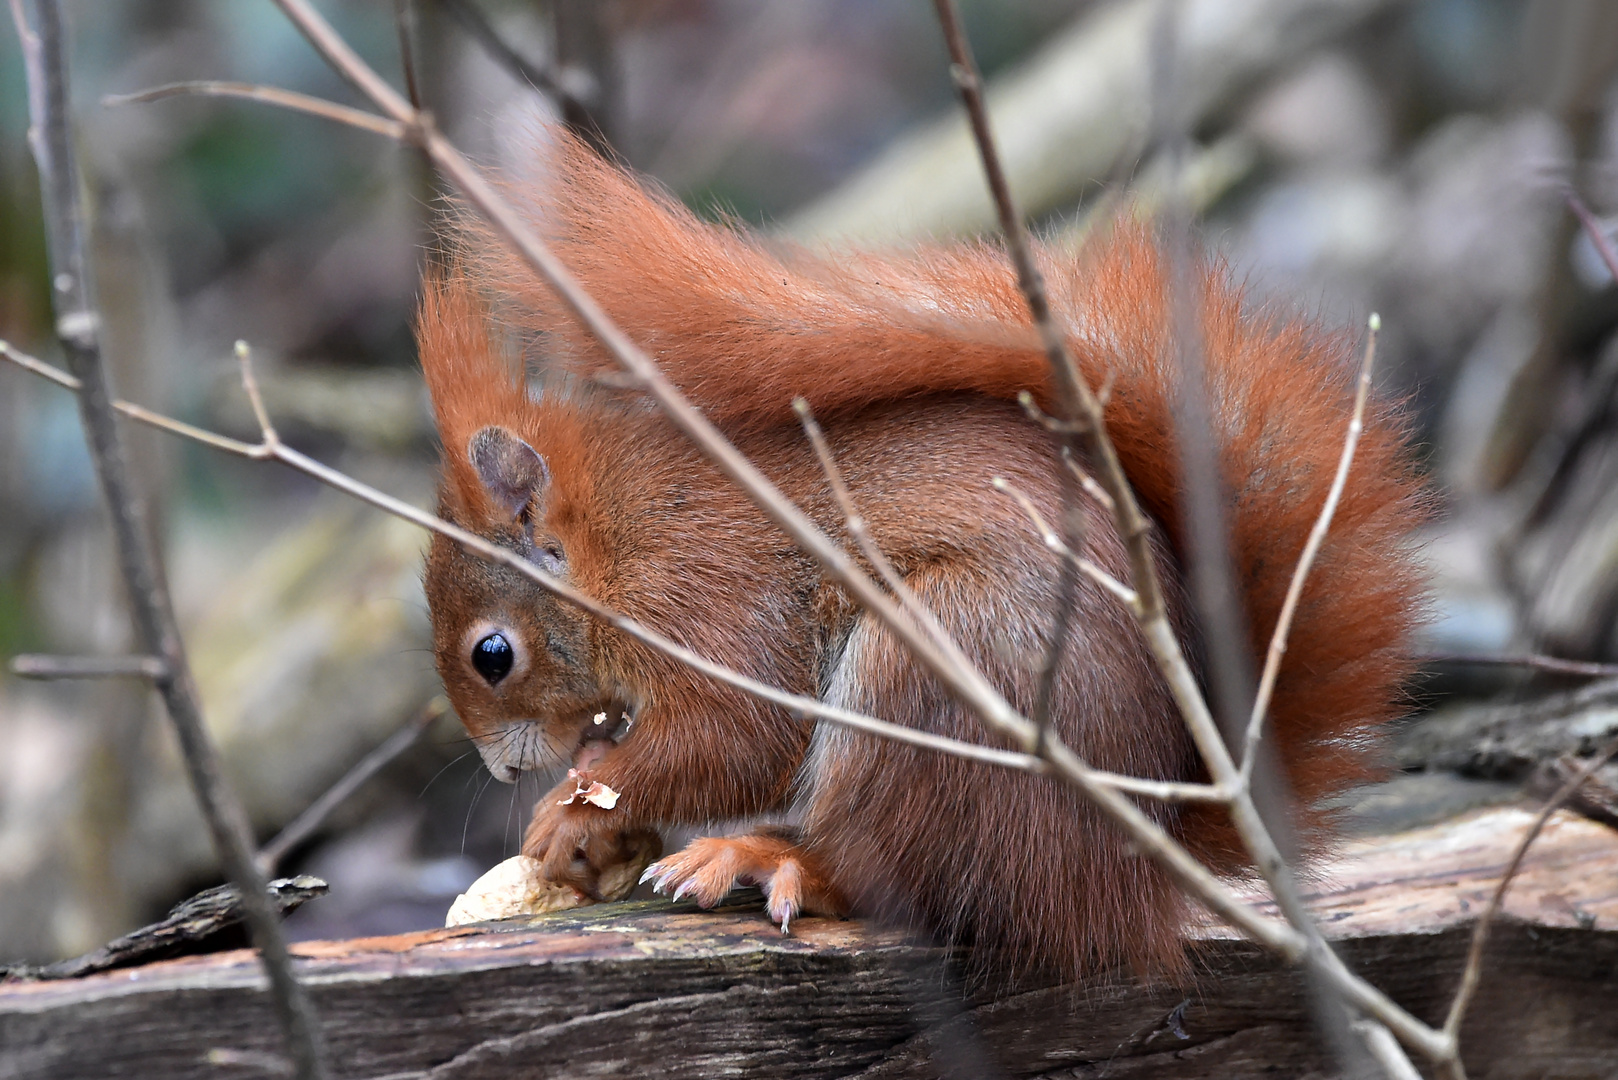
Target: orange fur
{"x":909,"y":361}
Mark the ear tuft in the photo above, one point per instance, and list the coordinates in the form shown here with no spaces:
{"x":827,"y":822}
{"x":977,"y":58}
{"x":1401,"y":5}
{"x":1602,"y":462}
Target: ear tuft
{"x":512,"y":472}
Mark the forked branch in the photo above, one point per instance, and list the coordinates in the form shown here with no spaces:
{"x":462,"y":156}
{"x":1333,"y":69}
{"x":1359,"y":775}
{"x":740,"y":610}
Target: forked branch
{"x":1085,"y":415}
{"x":271,"y":448}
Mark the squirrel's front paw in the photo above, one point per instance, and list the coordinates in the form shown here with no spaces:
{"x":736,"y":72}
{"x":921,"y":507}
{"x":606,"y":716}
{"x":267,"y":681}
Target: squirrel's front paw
{"x":585,"y":842}
{"x":710,"y":867}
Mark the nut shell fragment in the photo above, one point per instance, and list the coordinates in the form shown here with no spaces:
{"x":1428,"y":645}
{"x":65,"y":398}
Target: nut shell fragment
{"x":516,"y":886}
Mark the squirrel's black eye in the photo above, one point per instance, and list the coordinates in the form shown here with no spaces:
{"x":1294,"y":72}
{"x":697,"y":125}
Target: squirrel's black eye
{"x":492,"y":657}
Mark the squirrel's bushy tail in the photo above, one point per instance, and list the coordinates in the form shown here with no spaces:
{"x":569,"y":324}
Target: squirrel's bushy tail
{"x":742,"y":325}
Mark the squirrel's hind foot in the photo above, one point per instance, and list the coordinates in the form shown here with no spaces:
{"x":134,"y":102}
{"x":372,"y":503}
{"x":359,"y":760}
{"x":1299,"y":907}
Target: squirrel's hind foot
{"x":709,"y":867}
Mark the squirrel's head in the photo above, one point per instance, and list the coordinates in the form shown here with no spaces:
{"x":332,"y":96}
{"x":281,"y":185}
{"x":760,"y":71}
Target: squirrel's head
{"x":518,"y":664}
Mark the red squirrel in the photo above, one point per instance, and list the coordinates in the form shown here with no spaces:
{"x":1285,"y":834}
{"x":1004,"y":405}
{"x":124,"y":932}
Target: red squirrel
{"x":913,"y":363}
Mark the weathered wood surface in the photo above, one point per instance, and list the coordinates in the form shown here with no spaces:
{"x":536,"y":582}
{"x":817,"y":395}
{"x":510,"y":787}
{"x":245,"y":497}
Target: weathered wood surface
{"x":653,"y":989}
{"x":213,"y":917}
{"x":1509,"y":741}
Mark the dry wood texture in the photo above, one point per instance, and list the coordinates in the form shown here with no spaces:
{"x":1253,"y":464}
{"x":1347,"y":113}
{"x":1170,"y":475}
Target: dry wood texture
{"x":652,"y":989}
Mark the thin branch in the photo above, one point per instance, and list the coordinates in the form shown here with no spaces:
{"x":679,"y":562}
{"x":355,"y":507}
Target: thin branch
{"x":1592,"y":228}
{"x":303,"y":826}
{"x":1083,"y":408}
{"x":1067,"y":427}
{"x":1088,"y":482}
{"x":266,"y":430}
{"x":854,"y":521}
{"x":151,"y":609}
{"x":1480,"y":933}
{"x":1067,"y":599}
{"x":1384,"y":1049}
{"x":581,"y":46}
{"x":37,"y":666}
{"x":568,"y":88}
{"x":1261,"y":807}
{"x":1128,"y":596}
{"x":1169,"y":791}
{"x":1071,"y":480}
{"x":1165,"y":791}
{"x":269,"y":95}
{"x":404,"y":18}
{"x":1554,"y":665}
{"x":1311,"y":548}
{"x":137,"y":412}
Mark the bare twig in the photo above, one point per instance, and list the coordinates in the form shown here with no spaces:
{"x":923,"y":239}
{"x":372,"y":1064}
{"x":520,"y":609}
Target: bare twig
{"x":267,"y":435}
{"x":1048,"y":535}
{"x":1311,"y":548}
{"x":1088,"y":482}
{"x":1165,"y":791}
{"x":151,"y":609}
{"x":1261,"y":807}
{"x":576,"y":92}
{"x":1069,"y":482}
{"x":35,"y":666}
{"x":301,"y":827}
{"x":404,"y":19}
{"x":1067,"y":598}
{"x":137,"y":412}
{"x":853,"y":520}
{"x":1384,"y":1050}
{"x":1068,"y":435}
{"x":269,"y":95}
{"x":1480,"y":933}
{"x":1554,"y":665}
{"x":1592,"y":228}
{"x":474,"y":23}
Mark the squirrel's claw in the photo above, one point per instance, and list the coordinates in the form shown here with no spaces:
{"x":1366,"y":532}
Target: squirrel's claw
{"x":710,"y":867}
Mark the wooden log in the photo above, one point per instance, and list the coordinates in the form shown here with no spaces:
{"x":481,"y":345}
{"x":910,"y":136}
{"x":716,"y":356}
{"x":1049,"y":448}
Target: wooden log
{"x":653,"y":989}
{"x":1507,"y":742}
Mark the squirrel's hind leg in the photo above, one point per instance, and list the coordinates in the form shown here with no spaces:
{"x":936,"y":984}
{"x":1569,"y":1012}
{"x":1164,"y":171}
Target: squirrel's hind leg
{"x":1016,"y":864}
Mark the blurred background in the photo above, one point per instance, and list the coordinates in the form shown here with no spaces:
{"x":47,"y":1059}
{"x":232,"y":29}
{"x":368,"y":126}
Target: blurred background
{"x":1411,"y":157}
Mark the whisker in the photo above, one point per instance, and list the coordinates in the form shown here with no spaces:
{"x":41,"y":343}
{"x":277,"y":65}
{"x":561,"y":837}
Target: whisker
{"x":466,"y":827}
{"x":511,"y":814}
{"x":441,"y":772}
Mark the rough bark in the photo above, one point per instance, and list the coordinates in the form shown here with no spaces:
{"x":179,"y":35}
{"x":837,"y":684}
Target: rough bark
{"x":658,"y":990}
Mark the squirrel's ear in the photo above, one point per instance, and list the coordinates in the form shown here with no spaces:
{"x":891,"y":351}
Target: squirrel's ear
{"x":512,"y":472}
